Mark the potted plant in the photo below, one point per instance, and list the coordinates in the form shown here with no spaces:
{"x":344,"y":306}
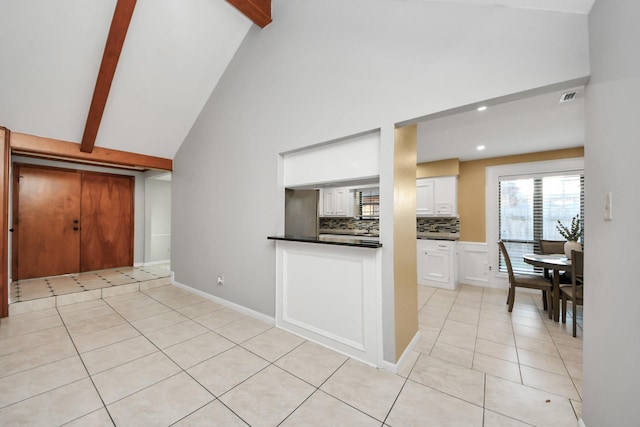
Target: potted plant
{"x":572,"y":233}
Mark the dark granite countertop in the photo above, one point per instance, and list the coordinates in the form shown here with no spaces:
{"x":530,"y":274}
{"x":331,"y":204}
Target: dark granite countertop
{"x":433,"y":235}
{"x":348,"y":232}
{"x":342,"y":241}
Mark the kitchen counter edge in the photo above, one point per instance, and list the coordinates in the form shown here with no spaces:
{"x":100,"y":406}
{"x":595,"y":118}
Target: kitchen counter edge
{"x":438,"y":236}
{"x":359,"y":243}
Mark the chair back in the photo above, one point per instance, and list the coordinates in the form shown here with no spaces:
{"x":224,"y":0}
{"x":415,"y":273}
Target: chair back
{"x":551,"y":246}
{"x":577,"y":266}
{"x":507,"y":261}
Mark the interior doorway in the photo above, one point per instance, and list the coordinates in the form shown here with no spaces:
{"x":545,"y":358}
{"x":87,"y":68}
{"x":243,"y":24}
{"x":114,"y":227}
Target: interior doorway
{"x":158,"y":219}
{"x":69,"y":221}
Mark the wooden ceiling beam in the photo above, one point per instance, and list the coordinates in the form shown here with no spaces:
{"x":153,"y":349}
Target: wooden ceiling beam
{"x":31,"y":145}
{"x":259,"y":11}
{"x":117,"y":34}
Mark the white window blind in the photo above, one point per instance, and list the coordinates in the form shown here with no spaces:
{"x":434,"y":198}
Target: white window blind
{"x":367,"y":204}
{"x":529,"y":208}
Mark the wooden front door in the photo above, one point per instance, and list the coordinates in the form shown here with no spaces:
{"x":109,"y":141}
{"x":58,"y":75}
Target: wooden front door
{"x":70,"y":221}
{"x":107,"y":221}
{"x":46,"y":222}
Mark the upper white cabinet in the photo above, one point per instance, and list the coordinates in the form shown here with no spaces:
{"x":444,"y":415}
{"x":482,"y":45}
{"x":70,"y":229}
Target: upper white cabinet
{"x":437,"y":196}
{"x":424,"y":197}
{"x":336,"y":202}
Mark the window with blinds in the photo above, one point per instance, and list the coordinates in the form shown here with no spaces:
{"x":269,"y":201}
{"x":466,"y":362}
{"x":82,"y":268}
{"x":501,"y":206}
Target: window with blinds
{"x":367,"y":204}
{"x":529,"y":210}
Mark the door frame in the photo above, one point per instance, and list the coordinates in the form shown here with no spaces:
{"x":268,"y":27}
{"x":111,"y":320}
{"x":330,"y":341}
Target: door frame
{"x":5,"y":158}
{"x":50,"y":148}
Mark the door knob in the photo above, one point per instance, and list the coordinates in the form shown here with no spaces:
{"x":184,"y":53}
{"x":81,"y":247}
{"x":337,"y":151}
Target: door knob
{"x":75,"y":221}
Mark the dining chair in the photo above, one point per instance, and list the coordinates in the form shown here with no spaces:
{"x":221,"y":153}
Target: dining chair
{"x":551,"y":246}
{"x":525,"y":281}
{"x":548,"y":247}
{"x":575,"y":292}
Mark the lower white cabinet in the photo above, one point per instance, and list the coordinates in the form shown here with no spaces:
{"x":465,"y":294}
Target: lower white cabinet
{"x":437,"y":263}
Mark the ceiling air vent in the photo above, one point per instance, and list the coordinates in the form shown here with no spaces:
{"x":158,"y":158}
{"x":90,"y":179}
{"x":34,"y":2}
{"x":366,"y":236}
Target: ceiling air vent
{"x":569,"y":96}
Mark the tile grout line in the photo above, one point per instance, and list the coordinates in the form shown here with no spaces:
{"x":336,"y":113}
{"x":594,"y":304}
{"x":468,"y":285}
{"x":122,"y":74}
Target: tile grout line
{"x":86,"y":370}
{"x":318,"y":388}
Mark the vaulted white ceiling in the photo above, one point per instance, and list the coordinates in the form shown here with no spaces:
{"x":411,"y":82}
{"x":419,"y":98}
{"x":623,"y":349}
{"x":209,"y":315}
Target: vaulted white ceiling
{"x":174,"y":54}
{"x":173,"y":57}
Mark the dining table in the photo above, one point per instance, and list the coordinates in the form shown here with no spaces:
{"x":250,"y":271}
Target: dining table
{"x":556,"y":263}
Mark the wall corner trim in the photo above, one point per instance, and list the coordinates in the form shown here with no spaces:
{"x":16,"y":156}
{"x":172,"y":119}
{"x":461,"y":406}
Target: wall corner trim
{"x":394,"y":367}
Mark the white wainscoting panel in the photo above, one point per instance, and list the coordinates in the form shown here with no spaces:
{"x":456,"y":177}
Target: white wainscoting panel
{"x":473,"y":263}
{"x":331,"y":294}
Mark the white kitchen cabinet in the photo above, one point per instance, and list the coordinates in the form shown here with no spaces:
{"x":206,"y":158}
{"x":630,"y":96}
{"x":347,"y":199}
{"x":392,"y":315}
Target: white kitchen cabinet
{"x":424,"y":197}
{"x":437,"y":263}
{"x":336,"y":202}
{"x":437,"y":196}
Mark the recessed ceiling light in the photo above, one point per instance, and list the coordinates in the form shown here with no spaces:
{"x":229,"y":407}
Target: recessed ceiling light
{"x":482,"y":108}
{"x":480,"y":147}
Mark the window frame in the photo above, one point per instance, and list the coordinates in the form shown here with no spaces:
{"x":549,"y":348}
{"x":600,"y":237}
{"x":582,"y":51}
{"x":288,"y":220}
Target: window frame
{"x":537,"y":219}
{"x":358,"y":203}
{"x":493,"y":174}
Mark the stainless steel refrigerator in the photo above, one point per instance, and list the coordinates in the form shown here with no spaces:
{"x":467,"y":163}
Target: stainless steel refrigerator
{"x":301,"y":212}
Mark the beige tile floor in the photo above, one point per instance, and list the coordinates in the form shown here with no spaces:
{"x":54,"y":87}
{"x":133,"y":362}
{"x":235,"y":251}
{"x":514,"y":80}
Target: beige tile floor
{"x":162,"y":356}
{"x":47,"y":287}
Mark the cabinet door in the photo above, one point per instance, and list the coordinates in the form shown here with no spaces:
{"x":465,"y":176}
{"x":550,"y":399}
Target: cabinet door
{"x":433,"y":264}
{"x":445,"y":195}
{"x":341,"y":199}
{"x":328,"y":204}
{"x":424,"y":197}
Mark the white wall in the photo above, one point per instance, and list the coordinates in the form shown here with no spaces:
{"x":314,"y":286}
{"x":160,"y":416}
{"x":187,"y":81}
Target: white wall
{"x":158,"y":220}
{"x":326,"y":69}
{"x":612,"y":293}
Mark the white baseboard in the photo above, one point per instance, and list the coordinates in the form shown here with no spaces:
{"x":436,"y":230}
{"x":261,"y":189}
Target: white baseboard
{"x":581,"y":423}
{"x":393,"y":367}
{"x":237,"y":307}
{"x":149,"y":263}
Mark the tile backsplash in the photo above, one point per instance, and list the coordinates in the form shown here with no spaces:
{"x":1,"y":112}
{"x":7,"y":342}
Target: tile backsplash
{"x":369,"y":225}
{"x":441,"y":225}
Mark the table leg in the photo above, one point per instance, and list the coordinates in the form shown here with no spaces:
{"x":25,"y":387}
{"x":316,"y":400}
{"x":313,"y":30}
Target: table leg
{"x":556,"y":295}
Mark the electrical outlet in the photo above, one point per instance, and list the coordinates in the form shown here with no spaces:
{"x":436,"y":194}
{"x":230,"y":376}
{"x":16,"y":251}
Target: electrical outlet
{"x":220,"y":280}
